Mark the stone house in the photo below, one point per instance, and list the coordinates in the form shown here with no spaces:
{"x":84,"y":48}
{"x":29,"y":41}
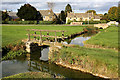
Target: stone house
{"x":48,"y":15}
{"x":82,"y":17}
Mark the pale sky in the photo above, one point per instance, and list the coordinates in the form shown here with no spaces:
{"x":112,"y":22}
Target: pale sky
{"x":101,"y":6}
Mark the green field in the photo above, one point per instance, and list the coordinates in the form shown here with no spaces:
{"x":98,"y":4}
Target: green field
{"x":13,"y":33}
{"x":106,"y":38}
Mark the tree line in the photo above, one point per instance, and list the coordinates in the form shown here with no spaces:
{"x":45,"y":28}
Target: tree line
{"x":28,"y":12}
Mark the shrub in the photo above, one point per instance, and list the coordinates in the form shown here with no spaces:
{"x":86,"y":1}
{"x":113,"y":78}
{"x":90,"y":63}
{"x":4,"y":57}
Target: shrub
{"x":46,"y":22}
{"x":103,"y":21}
{"x":13,"y":54}
{"x":91,"y":29}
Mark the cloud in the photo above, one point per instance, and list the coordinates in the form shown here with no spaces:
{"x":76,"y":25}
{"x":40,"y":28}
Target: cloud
{"x":77,"y":5}
{"x":72,"y":0}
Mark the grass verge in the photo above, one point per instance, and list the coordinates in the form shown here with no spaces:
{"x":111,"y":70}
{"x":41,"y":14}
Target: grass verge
{"x":106,"y":38}
{"x":97,"y":61}
{"x":30,"y":75}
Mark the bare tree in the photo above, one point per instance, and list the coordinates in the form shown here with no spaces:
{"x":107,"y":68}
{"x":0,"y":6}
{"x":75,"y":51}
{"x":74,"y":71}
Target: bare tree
{"x":51,"y":5}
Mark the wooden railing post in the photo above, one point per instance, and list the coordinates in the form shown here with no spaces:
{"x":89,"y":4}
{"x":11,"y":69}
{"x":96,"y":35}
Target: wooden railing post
{"x":40,"y":38}
{"x":62,"y":35}
{"x":47,"y":35}
{"x":55,"y":37}
{"x":35,"y":36}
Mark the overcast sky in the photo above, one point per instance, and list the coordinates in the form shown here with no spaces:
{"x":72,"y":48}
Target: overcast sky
{"x":101,"y":6}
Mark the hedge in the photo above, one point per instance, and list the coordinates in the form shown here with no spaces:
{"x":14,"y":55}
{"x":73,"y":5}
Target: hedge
{"x":27,"y":22}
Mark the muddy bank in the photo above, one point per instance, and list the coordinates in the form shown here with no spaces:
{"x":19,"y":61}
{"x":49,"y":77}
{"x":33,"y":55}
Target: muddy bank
{"x":75,"y":67}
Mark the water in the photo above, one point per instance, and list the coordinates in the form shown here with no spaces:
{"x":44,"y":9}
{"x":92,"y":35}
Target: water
{"x":37,"y":61}
{"x":44,"y":54}
{"x":78,"y":40}
{"x":11,"y":67}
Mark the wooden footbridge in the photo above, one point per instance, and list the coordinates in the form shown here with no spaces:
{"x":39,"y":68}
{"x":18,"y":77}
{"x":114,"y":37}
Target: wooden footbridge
{"x":38,"y":37}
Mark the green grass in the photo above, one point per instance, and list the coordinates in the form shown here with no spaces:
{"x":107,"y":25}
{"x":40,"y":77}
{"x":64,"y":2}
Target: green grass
{"x":107,"y":38}
{"x":13,"y":54}
{"x":12,"y":33}
{"x":29,"y":75}
{"x":104,"y":62}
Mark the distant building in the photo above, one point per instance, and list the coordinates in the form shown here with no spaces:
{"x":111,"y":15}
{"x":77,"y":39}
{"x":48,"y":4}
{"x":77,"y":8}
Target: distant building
{"x":13,"y":15}
{"x":48,"y":15}
{"x":82,"y":17}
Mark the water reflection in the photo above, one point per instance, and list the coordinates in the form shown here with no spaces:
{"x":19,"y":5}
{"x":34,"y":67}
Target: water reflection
{"x":78,"y":41}
{"x":44,"y":54}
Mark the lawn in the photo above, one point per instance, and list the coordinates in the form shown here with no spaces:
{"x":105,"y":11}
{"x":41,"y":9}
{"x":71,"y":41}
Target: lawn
{"x":104,"y":62}
{"x":13,"y":33}
{"x":106,"y":38}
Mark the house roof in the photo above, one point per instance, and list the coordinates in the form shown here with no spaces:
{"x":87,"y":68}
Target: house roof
{"x":47,"y":12}
{"x":13,"y":15}
{"x":80,"y":15}
{"x":97,"y":17}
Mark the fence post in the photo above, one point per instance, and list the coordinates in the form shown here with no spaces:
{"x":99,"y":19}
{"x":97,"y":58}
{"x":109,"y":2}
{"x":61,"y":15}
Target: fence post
{"x":62,"y":35}
{"x":35,"y":36}
{"x":55,"y":37}
{"x":47,"y":35}
{"x":40,"y":38}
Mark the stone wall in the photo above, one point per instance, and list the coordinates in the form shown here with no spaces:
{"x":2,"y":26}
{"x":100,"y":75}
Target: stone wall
{"x":76,"y":23}
{"x":103,"y":26}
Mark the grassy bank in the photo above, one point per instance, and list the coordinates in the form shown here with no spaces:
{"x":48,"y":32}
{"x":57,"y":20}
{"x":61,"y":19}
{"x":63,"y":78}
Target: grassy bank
{"x":31,"y":75}
{"x":97,"y":61}
{"x":11,"y":34}
{"x":106,"y":38}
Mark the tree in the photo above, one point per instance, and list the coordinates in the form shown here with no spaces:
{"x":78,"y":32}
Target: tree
{"x":39,"y":16}
{"x":4,"y":15}
{"x":68,"y":9}
{"x":62,"y":16}
{"x":105,"y":17}
{"x":113,"y":14}
{"x":56,"y":21}
{"x":90,"y":11}
{"x":28,"y":12}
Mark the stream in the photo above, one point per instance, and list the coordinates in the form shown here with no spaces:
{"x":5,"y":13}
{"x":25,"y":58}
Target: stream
{"x":37,"y":61}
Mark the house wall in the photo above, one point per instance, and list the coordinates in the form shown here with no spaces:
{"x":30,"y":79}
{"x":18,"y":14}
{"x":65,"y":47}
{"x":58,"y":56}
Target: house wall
{"x":77,"y":19}
{"x":47,"y":18}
